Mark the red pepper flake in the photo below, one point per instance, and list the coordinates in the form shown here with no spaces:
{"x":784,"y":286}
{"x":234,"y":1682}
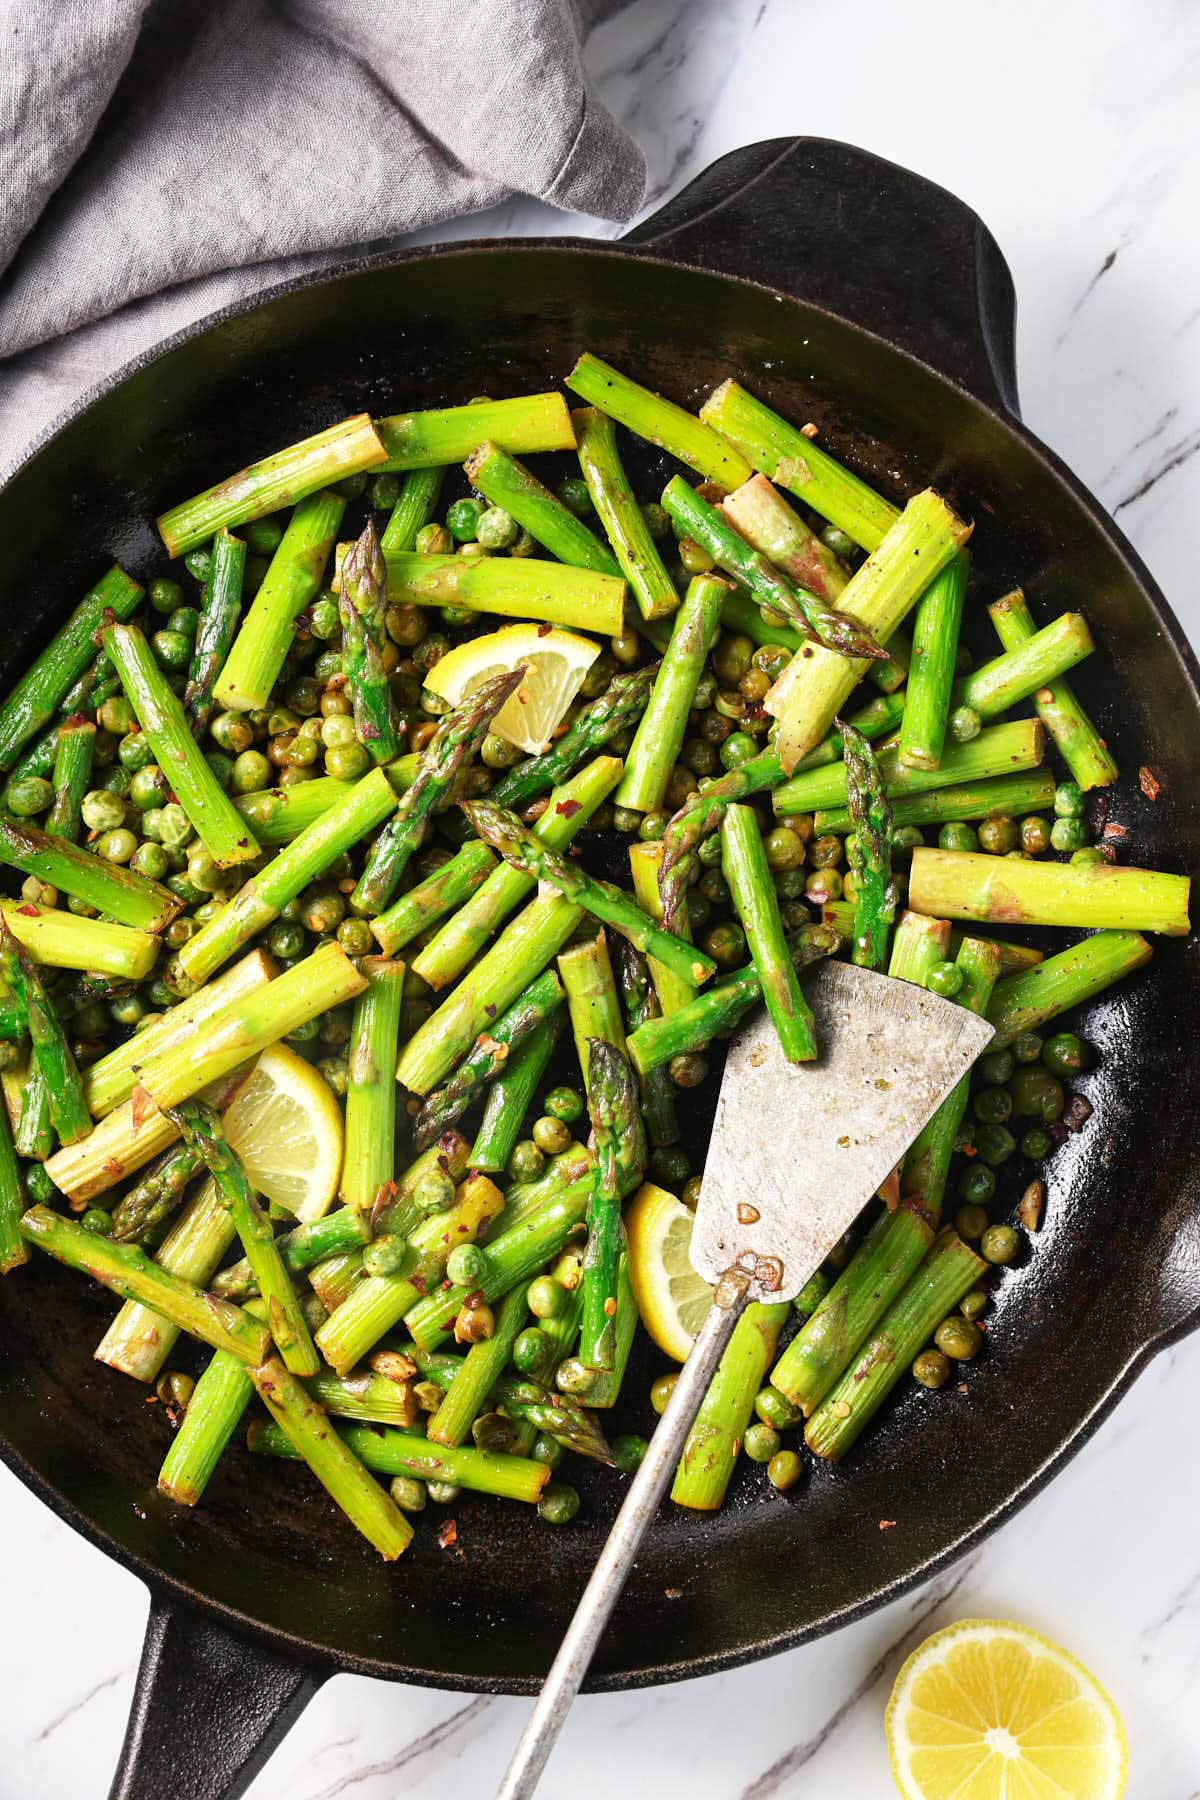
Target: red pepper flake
{"x":1149,"y":783}
{"x":114,"y":1167}
{"x":29,"y":912}
{"x":610,"y":1307}
{"x":418,"y":1281}
{"x":809,"y":431}
{"x":490,"y":1010}
{"x":141,"y":1104}
{"x":545,"y":630}
{"x":887,"y":1524}
{"x":1113,"y":830}
{"x":672,"y":1593}
{"x":1032,"y":1204}
{"x":447,"y":1535}
{"x":384,"y":1195}
{"x":568,"y":808}
{"x":1077,"y":1112}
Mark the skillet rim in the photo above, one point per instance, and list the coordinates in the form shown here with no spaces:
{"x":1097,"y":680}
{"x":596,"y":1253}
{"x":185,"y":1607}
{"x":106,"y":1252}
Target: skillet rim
{"x":319,"y":1659}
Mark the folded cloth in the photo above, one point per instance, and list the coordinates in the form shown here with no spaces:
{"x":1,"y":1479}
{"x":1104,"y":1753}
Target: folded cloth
{"x":161,"y":158}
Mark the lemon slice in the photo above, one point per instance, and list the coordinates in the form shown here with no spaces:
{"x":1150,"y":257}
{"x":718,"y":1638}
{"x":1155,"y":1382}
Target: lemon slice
{"x":987,"y":1710}
{"x":286,"y":1127}
{"x":671,"y":1298}
{"x":556,"y":663}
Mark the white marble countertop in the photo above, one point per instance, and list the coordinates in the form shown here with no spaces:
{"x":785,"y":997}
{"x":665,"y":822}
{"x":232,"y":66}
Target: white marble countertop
{"x":1071,"y":129}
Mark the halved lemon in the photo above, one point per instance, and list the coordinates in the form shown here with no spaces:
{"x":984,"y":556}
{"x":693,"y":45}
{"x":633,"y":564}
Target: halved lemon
{"x":285,"y":1124}
{"x":988,"y":1710}
{"x":671,"y":1298}
{"x":556,"y":663}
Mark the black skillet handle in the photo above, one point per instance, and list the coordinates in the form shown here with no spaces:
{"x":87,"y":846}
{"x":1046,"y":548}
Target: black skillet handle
{"x":859,"y":236}
{"x":208,"y":1709}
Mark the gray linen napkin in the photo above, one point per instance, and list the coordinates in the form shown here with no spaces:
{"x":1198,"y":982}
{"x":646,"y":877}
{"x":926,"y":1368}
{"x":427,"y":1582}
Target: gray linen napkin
{"x":160,"y":158}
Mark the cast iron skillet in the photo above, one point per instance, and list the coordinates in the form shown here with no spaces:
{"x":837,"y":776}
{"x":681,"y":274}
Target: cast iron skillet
{"x":844,"y":290}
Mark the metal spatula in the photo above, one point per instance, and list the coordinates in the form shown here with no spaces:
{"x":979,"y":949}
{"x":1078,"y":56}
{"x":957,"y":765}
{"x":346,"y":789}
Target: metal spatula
{"x":796,"y":1153}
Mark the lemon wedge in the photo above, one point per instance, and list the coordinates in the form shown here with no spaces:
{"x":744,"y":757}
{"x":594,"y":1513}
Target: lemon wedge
{"x":285,"y":1125}
{"x":555,"y":665}
{"x":988,"y":1710}
{"x":671,"y":1298}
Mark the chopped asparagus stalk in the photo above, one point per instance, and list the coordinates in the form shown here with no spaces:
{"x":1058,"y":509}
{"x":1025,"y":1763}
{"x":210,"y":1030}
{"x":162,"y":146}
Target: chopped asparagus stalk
{"x":36,"y":697}
{"x":641,"y":1005}
{"x":479,"y":1372}
{"x":712,"y":1446}
{"x":430,"y":900}
{"x":369,"y":1159}
{"x":596,"y":724}
{"x":524,"y":425}
{"x":931,"y":675}
{"x":392,"y":1453}
{"x":277,"y":815}
{"x":760,"y":514}
{"x":488,"y":1056}
{"x":52,"y":1053}
{"x":155,"y":1196}
{"x":1016,"y":674}
{"x":219,"y":614}
{"x":214,"y":1412}
{"x":415,"y":507}
{"x":509,"y":1097}
{"x":1079,"y":743}
{"x":870,"y":854}
{"x":515,"y":587}
{"x":62,"y":940}
{"x":1004,"y":797}
{"x":283,"y":479}
{"x":72,"y":777}
{"x":745,"y":867}
{"x":592,"y":1003}
{"x":622,"y":517}
{"x":620,"y":1158}
{"x":1029,"y":999}
{"x":361,"y":609}
{"x":659,"y":421}
{"x":139,"y":1340}
{"x":508,"y":484}
{"x":645,"y":865}
{"x":12,"y":1202}
{"x":289,"y":585}
{"x":129,"y":898}
{"x":964,"y":885}
{"x":999,"y":750}
{"x":659,"y":736}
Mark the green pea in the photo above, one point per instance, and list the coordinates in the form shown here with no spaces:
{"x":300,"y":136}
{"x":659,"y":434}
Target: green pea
{"x":573,"y":492}
{"x":1037,"y":1143}
{"x":323,"y":618}
{"x":1026,"y":1048}
{"x":387,"y":1255}
{"x":165,"y":595}
{"x":964,"y":724}
{"x":40,"y":1187}
{"x":628,"y":1449}
{"x":651,"y":828}
{"x":1037,"y":1094}
{"x":150,"y":860}
{"x":251,"y":773}
{"x":737,"y":749}
{"x":670,"y":1166}
{"x":97,"y":1221}
{"x":347,"y":762}
{"x":1068,"y":834}
{"x":134,"y":751}
{"x":30,"y":795}
{"x":998,"y":836}
{"x":689,"y":1193}
{"x":117,"y":716}
{"x":992,"y":1105}
{"x":232,"y":731}
{"x":995,"y":1066}
{"x":497,"y":529}
{"x":1065,"y":1054}
{"x":408,"y":1493}
{"x":222,"y":767}
{"x":1035,"y":835}
{"x":559,"y":1503}
{"x":958,"y":1338}
{"x":658,"y":520}
{"x":263,"y":536}
{"x":932,"y":1369}
{"x":383,"y":492}
{"x":115,"y":846}
{"x":467,"y":1265}
{"x":172,"y":649}
{"x":354,"y":935}
{"x":1088,"y":856}
{"x":785,"y":849}
{"x":574,"y":1377}
{"x":433,"y":540}
{"x":761,"y":1442}
{"x":946,"y":979}
{"x":533,"y":1352}
{"x":526,"y":1162}
{"x":784,"y":1470}
{"x":351,"y":487}
{"x":1068,"y":800}
{"x":128,"y":1009}
{"x":958,"y":836}
{"x":286,"y":940}
{"x":776,"y":1410}
{"x":661,"y":1391}
{"x":726,"y":944}
{"x":547,"y":1298}
{"x":995,"y":1144}
{"x":564,"y":1103}
{"x":328,"y":665}
{"x":973,"y":1304}
{"x":550,"y":1135}
{"x":1000,"y":1244}
{"x":547,"y":1450}
{"x":185,"y":620}
{"x":462,"y":519}
{"x":971,"y":1220}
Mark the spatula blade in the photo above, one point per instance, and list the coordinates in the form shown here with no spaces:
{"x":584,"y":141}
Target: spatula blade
{"x":797,"y":1151}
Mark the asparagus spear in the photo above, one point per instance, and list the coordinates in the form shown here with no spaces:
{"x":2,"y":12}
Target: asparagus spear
{"x":452,"y":745}
{"x":263,"y":897}
{"x":378,"y":1302}
{"x":920,"y":943}
{"x":369,"y":1398}
{"x":659,"y":421}
{"x":529,"y":853}
{"x":219,"y":615}
{"x":128,"y":1271}
{"x":340,"y":1231}
{"x":813,"y":689}
{"x":87,"y":693}
{"x":515,"y":587}
{"x":392,"y":1453}
{"x":219,"y":1399}
{"x":72,"y":776}
{"x":949,"y":1271}
{"x":289,"y":585}
{"x":620,"y":1154}
{"x":131,"y":899}
{"x":488,"y":1056}
{"x":524,"y":1399}
{"x":1016,"y":674}
{"x":12,"y":1202}
{"x":33,"y":1133}
{"x":507,"y":483}
{"x":870,"y":851}
{"x":61,"y":940}
{"x":509,"y":1096}
{"x":1004,"y":797}
{"x":64,"y":1087}
{"x":825,"y":1346}
{"x":304,"y":1426}
{"x":596,"y":724}
{"x":963,"y":885}
{"x":513,"y":1256}
{"x":1079,"y":743}
{"x":592,"y":1002}
{"x":719,"y":1008}
{"x":369,"y":1158}
{"x":838,"y":631}
{"x":760,"y":514}
{"x":999,"y":750}
{"x":645,"y":864}
{"x":791,"y":458}
{"x":1030,"y":999}
{"x":521,"y":951}
{"x":430,"y":900}
{"x":528,"y":423}
{"x":277,"y":815}
{"x":112,"y":1078}
{"x":744,"y":864}
{"x":155,"y":1196}
{"x":139,"y":1340}
{"x":36,"y":697}
{"x":361,"y":609}
{"x":606,"y":1388}
{"x":931,"y":676}
{"x":1014,"y":958}
{"x":211,"y":813}
{"x":712,"y":1446}
{"x":482,"y":1367}
{"x":659,"y":736}
{"x":135,"y":1131}
{"x":279,"y":480}
{"x":417,"y":504}
{"x":641,"y":1005}
{"x":623,"y":520}
{"x":201,"y":1130}
{"x":335,"y":1278}
{"x":462,"y":937}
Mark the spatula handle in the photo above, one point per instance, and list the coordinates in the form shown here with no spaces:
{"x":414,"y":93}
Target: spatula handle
{"x":616,"y":1559}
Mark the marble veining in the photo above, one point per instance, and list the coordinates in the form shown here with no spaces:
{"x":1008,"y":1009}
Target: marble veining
{"x":1071,"y":129}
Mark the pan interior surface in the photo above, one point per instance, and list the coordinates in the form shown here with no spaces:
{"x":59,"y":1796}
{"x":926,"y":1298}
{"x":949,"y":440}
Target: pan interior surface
{"x":1108,"y":1274}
